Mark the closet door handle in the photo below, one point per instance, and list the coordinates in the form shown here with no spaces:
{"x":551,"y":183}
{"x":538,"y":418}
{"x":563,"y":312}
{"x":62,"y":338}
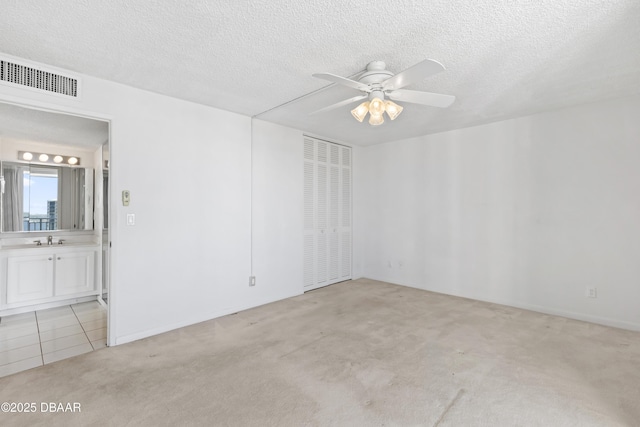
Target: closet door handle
{"x":50,"y":258}
{"x":58,"y":257}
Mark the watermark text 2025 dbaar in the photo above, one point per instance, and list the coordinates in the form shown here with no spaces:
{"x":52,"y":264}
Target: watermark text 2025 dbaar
{"x":42,"y":407}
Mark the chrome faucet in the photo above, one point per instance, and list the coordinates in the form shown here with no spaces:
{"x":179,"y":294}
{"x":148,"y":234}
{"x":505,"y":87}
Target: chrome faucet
{"x":49,"y":240}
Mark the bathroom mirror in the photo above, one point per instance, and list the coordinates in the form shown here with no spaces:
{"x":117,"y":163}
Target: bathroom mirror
{"x":46,"y":198}
{"x":38,"y":193}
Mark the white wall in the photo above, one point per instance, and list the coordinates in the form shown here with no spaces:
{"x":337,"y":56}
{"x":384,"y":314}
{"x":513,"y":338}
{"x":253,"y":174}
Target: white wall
{"x":188,"y":167}
{"x":276,"y":211}
{"x":526,"y":212}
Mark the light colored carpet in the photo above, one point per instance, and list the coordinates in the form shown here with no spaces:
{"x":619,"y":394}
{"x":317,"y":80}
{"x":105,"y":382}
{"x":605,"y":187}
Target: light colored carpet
{"x":360,"y":353}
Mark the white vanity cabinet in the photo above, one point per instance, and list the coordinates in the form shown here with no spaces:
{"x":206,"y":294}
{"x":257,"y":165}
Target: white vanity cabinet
{"x":47,"y":274}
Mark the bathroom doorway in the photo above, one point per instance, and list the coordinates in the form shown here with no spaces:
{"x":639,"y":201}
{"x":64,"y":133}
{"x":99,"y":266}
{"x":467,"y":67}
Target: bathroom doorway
{"x":35,"y":144}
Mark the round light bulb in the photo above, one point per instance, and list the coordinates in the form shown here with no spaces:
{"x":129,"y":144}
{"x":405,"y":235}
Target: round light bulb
{"x":58,"y":159}
{"x":27,"y":156}
{"x":43,"y":157}
{"x":73,"y":160}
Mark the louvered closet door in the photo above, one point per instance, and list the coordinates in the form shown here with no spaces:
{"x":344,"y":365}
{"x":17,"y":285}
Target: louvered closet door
{"x":309,"y":213}
{"x":322,"y":226}
{"x":345,"y":217}
{"x":327,"y":210}
{"x":334,"y":214}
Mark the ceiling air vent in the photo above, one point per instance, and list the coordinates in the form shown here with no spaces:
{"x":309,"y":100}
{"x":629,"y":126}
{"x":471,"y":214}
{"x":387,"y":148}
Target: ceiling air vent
{"x":39,"y":79}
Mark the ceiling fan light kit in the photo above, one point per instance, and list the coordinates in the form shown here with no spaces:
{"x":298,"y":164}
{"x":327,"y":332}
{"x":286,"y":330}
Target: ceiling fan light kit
{"x":376,"y":108}
{"x":381,"y":86}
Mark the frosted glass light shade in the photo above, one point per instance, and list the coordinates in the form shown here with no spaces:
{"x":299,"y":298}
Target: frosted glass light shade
{"x":376,"y":107}
{"x":392,"y":109}
{"x":58,"y":159}
{"x":43,"y":157}
{"x":27,"y":156}
{"x":361,"y":111}
{"x":72,"y":160}
{"x":376,"y":119}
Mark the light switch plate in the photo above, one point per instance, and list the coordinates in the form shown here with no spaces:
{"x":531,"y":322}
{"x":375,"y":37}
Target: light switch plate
{"x":131,"y":219}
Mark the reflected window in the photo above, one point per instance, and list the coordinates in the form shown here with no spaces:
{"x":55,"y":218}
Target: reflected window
{"x":40,"y":209}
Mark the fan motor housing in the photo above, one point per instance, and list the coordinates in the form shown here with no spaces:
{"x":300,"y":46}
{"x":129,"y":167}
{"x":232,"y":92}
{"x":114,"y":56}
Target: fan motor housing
{"x":375,"y":73}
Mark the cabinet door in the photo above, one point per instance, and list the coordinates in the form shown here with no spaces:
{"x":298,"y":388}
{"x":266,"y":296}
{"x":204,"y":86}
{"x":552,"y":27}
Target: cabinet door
{"x":29,"y":278}
{"x":74,"y":273}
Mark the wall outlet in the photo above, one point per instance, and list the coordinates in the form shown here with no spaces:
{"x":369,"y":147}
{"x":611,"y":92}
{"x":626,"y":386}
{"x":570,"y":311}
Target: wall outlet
{"x":252,"y":280}
{"x":592,"y":292}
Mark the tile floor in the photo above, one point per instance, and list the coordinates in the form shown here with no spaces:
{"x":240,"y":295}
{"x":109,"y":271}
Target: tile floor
{"x":32,"y":339}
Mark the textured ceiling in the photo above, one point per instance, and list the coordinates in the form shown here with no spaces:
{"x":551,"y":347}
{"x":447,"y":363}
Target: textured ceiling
{"x":504,"y":58}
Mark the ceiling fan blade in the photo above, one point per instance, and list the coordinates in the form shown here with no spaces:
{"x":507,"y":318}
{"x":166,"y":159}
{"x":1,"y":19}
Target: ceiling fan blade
{"x":340,"y":104}
{"x":424,"y":98}
{"x":413,"y":74}
{"x":343,"y":81}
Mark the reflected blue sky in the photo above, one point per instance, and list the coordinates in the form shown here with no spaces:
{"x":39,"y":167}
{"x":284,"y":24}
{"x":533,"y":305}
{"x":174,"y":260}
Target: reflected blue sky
{"x":37,"y":191}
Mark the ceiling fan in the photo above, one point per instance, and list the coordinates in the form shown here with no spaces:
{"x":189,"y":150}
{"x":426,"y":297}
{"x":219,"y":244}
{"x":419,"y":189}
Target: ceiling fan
{"x":381,"y":86}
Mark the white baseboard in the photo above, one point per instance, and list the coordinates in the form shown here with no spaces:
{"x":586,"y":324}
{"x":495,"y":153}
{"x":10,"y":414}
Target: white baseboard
{"x":616,"y":323}
{"x":607,"y":321}
{"x":203,"y":318}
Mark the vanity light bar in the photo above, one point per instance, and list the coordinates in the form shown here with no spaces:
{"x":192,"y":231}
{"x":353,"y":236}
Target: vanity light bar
{"x":54,"y":159}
